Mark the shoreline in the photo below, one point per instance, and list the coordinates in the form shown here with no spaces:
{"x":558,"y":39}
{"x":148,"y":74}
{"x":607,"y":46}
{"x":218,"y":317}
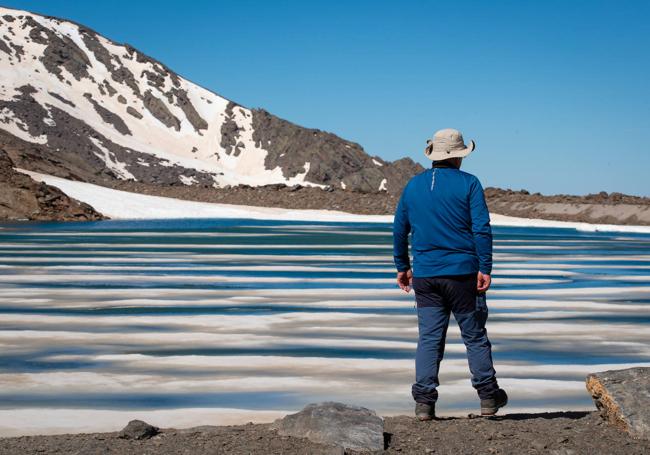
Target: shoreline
{"x":508,"y":433}
{"x":19,"y":422}
{"x":123,"y":205}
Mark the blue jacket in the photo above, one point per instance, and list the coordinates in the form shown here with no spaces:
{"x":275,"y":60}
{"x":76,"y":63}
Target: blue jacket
{"x":445,"y":211}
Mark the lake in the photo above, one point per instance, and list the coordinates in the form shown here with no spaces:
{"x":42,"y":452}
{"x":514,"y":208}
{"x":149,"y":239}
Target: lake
{"x":232,"y":320}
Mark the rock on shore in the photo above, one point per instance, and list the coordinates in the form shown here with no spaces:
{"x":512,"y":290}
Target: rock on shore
{"x":350,"y":427}
{"x":623,"y":397}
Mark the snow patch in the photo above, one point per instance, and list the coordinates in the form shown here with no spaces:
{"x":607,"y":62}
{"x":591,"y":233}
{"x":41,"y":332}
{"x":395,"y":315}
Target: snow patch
{"x":124,"y":205}
{"x":188,"y":180}
{"x":382,"y":185}
{"x":377,"y":163}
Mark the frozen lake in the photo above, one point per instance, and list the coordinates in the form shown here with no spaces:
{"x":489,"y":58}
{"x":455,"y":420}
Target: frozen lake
{"x":191,"y":322}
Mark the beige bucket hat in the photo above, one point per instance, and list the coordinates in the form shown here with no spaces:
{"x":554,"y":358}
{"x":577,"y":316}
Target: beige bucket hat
{"x":448,"y":143}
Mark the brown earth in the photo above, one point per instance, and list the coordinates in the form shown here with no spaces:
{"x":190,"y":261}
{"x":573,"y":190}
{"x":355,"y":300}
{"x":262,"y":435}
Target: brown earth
{"x":549,"y":433}
{"x":22,"y":198}
{"x":604,"y":208}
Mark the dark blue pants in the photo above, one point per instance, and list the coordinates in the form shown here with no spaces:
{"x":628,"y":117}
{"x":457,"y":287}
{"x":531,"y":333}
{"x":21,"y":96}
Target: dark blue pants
{"x":436,"y":299}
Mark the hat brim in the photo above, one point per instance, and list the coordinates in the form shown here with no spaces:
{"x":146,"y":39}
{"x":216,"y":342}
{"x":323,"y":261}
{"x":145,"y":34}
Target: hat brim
{"x":460,"y":153}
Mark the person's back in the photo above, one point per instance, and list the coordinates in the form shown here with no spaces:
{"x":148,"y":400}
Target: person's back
{"x":444,"y":210}
{"x":449,"y":222}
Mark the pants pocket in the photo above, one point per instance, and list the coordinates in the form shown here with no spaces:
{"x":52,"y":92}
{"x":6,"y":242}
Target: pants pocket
{"x":481,"y":309}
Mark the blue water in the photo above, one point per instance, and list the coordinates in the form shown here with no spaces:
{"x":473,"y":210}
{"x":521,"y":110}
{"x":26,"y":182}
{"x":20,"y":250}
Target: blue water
{"x":261,"y":315}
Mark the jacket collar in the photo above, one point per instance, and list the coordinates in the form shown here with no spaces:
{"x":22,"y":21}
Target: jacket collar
{"x":442,"y":164}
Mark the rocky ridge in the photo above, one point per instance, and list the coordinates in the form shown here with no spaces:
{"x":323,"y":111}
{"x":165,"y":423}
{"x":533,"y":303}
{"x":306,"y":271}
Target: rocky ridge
{"x":22,"y":198}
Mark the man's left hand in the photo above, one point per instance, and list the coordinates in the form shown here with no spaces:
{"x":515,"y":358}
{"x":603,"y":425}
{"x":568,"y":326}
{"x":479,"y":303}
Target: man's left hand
{"x":404,"y":280}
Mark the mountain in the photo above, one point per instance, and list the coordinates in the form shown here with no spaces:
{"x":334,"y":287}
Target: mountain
{"x":77,"y":105}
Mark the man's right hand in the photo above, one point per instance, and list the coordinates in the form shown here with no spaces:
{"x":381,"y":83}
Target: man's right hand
{"x":483,"y":281}
{"x":404,"y":280}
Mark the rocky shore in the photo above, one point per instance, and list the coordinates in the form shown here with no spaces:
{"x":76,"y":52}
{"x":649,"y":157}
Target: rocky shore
{"x":550,"y":433}
{"x":22,"y":198}
{"x":601,"y":208}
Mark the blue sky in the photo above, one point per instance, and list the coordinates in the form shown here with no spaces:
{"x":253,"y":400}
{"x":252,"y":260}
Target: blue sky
{"x":555,"y":93}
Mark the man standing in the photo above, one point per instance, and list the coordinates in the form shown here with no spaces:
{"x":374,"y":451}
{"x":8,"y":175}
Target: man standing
{"x":444,"y":209}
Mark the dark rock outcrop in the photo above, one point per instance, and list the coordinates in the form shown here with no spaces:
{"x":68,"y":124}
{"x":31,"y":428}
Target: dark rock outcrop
{"x":108,"y":116}
{"x":22,"y":198}
{"x":159,"y":110}
{"x":332,"y":160}
{"x":137,"y":429}
{"x":351,"y":427}
{"x":623,"y":398}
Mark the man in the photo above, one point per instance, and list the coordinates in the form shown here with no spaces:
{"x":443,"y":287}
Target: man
{"x":444,"y":209}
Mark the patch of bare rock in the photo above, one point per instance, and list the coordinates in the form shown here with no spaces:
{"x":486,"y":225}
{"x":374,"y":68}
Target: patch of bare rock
{"x":22,"y":198}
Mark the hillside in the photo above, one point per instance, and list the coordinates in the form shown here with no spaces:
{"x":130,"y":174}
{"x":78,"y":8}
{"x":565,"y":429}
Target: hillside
{"x":78,"y":105}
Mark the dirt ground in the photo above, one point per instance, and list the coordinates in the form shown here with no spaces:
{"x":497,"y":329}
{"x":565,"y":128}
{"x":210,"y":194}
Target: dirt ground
{"x":565,"y":433}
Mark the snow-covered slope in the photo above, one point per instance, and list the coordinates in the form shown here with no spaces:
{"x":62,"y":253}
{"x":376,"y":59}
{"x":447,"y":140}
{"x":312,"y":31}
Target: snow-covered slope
{"x":79,"y":105}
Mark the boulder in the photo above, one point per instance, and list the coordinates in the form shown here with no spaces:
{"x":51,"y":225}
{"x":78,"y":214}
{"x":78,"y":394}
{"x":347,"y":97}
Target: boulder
{"x":347,"y":426}
{"x":137,"y":429}
{"x":623,"y":398}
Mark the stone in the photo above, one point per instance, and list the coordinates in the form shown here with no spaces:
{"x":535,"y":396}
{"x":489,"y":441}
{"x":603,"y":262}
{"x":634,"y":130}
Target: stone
{"x":623,"y":398}
{"x":137,"y":429}
{"x":350,"y":427}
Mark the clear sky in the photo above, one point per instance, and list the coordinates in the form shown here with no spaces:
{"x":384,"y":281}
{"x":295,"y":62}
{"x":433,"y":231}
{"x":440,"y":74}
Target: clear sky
{"x":555,"y":93}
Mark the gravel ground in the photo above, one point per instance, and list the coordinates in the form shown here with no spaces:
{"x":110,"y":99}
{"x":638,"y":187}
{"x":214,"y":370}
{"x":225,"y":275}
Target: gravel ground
{"x":551,"y":433}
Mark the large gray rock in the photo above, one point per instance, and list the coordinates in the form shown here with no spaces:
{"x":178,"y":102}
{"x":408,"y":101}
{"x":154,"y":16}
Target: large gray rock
{"x":623,"y":398}
{"x":351,"y":427}
{"x":137,"y":429}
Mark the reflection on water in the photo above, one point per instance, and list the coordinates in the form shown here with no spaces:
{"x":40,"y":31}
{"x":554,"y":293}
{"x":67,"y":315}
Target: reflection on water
{"x":272,"y":315}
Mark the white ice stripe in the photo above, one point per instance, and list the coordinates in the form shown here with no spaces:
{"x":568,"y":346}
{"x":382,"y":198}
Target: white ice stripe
{"x":289,"y":293}
{"x":158,"y":246}
{"x":497,"y":271}
{"x":590,"y":291}
{"x":319,"y":365}
{"x":522,"y":265}
{"x":91,"y":256}
{"x":165,"y":293}
{"x":122,"y":234}
{"x":106,"y":278}
{"x":522,"y":269}
{"x":19,"y":339}
{"x":532,"y":246}
{"x":256,"y":246}
{"x":110,"y":300}
{"x":506,"y":257}
{"x":123,"y":205}
{"x":575,"y":305}
{"x":640,"y":278}
{"x":85,"y":382}
{"x":291,"y":231}
{"x":233,"y":268}
{"x":268,"y":331}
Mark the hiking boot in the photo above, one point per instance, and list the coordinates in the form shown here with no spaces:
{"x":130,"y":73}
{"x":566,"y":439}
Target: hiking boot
{"x":490,"y":406}
{"x":425,"y":411}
